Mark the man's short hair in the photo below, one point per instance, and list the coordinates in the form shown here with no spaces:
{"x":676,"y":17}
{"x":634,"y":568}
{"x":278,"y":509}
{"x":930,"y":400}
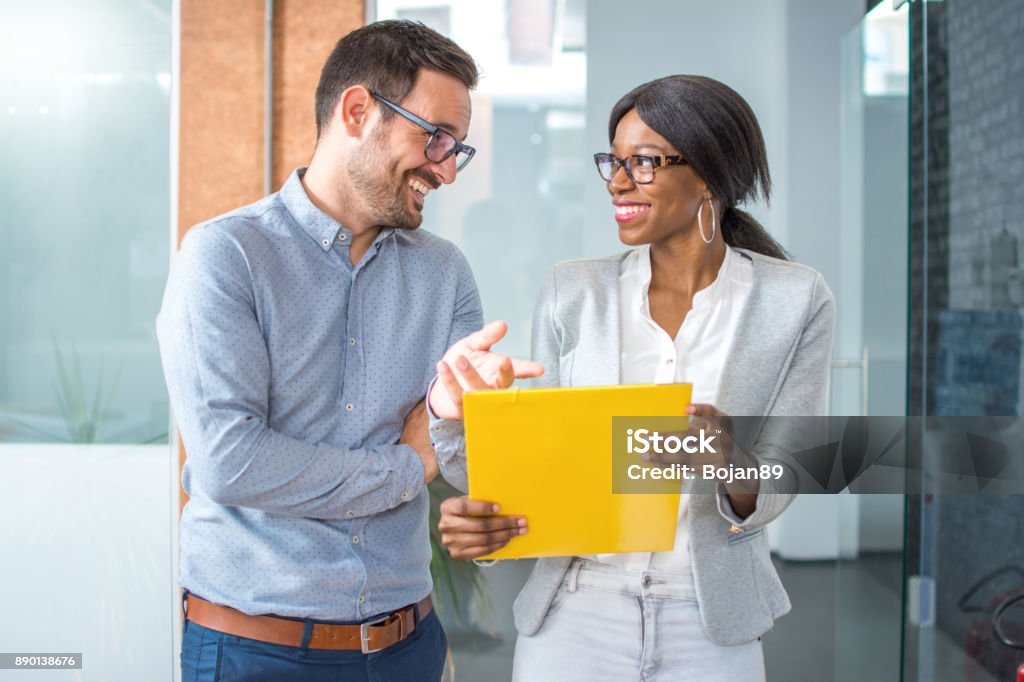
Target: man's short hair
{"x":386,"y":57}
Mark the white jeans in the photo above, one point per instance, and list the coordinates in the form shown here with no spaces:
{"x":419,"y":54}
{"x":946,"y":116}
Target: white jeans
{"x":606,"y":623}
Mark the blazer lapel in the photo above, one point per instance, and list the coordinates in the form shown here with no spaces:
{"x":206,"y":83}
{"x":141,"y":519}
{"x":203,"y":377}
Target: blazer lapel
{"x":737,"y":394}
{"x":749,"y":378}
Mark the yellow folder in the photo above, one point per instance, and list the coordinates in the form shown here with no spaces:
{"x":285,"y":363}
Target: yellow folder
{"x":547,"y":454}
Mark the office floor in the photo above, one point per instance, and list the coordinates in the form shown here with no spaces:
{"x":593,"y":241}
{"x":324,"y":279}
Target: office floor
{"x":811,"y":644}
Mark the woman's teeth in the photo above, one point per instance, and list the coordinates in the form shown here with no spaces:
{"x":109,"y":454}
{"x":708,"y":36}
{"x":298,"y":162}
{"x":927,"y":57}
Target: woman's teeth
{"x":630,"y":210}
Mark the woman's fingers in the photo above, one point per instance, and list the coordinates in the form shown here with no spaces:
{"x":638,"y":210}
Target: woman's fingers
{"x":476,"y":552}
{"x":703,"y":410}
{"x":457,"y":542}
{"x":471,"y":529}
{"x":461,"y":505}
{"x":479,"y":524}
{"x":471,"y":545}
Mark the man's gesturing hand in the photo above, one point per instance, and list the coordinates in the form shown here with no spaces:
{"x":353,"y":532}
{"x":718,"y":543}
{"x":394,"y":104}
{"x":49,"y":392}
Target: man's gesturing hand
{"x":470,"y":528}
{"x":470,"y":365}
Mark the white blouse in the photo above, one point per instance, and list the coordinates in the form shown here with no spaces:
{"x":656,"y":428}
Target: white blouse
{"x":696,"y":356}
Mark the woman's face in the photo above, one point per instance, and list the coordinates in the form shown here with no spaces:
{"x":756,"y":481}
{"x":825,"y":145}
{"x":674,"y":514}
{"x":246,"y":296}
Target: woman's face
{"x":663,"y":210}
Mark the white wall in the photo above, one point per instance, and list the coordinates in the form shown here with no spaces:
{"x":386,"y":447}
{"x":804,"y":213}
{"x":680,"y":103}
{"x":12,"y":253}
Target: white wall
{"x":87,"y":543}
{"x":742,"y":44}
{"x":814,"y":65}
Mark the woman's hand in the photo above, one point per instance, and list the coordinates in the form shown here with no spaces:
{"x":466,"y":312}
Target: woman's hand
{"x":716,"y":427}
{"x":472,"y":528}
{"x":713,"y":422}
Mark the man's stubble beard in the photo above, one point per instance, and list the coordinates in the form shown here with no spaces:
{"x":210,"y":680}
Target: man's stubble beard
{"x":374,"y":177}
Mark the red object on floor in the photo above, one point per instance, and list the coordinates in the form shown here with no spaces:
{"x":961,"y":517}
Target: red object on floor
{"x":1020,"y":673}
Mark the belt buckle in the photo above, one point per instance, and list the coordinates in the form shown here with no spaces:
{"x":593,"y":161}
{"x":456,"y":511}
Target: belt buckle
{"x":364,"y":631}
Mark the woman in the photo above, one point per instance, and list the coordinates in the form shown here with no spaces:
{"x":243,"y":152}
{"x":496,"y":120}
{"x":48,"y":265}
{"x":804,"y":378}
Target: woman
{"x":704,"y":296}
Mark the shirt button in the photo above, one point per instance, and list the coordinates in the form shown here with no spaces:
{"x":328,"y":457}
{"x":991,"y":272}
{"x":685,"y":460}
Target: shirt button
{"x":361,"y":599}
{"x":352,"y":341}
{"x":405,"y":494}
{"x":350,"y":513}
{"x":437,"y":428}
{"x":342,"y":237}
{"x":647,"y":581}
{"x":326,"y":242}
{"x":350,"y":407}
{"x":355,"y":539}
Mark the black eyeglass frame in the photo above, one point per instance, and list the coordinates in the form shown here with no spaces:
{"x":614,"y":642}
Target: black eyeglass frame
{"x":434,"y":133}
{"x":656,"y":160}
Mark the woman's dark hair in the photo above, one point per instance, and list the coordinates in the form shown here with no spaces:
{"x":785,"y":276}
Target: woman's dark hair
{"x":386,"y":57}
{"x":717,"y":133}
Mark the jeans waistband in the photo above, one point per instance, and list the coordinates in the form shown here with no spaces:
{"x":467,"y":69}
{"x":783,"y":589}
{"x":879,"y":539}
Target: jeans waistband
{"x":590,"y":574}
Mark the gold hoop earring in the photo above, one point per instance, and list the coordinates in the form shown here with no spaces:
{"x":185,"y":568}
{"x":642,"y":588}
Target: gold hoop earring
{"x":700,"y":221}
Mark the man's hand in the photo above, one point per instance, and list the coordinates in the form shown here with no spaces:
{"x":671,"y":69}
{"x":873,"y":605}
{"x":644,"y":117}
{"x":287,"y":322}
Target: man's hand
{"x":471,"y":365}
{"x":416,"y":434}
{"x":471,"y":529}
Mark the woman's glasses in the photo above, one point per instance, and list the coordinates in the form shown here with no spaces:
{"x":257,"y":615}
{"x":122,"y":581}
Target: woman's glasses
{"x":639,"y":167}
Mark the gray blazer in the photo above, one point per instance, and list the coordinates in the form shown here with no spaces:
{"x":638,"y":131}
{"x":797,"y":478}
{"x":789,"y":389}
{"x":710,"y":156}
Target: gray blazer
{"x":778,"y":365}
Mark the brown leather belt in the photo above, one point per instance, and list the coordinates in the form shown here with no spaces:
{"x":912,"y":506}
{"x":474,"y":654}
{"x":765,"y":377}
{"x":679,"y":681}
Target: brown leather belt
{"x":373,"y":635}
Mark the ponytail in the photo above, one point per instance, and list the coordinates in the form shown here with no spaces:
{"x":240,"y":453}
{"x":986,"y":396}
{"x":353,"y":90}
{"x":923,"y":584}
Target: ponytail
{"x":739,"y":229}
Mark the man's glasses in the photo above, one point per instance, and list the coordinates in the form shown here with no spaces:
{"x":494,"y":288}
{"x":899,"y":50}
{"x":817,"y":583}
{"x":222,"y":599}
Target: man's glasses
{"x":639,"y":167}
{"x":441,"y":144}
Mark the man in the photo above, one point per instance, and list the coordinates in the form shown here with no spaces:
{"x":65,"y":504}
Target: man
{"x":299,"y":336}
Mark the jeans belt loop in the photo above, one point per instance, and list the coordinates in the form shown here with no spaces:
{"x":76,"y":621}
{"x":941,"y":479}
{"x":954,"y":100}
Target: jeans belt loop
{"x":574,"y":572}
{"x":307,"y":634}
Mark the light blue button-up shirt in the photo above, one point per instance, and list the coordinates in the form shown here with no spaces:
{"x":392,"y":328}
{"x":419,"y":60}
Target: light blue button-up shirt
{"x":290,"y":374}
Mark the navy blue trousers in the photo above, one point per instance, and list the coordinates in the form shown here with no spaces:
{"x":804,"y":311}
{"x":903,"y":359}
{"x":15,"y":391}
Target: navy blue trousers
{"x":211,"y":656}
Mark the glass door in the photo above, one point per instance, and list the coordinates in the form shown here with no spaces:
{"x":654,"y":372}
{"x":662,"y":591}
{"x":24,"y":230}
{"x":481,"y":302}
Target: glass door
{"x":869,"y":366}
{"x":965,"y":552}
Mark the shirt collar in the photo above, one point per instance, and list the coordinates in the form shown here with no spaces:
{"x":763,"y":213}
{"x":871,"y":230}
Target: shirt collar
{"x":322,"y":228}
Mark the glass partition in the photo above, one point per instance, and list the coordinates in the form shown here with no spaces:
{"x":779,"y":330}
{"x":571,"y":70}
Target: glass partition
{"x":965,"y":554}
{"x":85,"y":475}
{"x":85,"y":183}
